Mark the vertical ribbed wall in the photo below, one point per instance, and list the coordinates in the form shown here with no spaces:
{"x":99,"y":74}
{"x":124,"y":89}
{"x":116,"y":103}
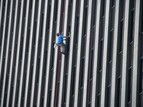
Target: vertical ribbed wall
{"x":104,"y":64}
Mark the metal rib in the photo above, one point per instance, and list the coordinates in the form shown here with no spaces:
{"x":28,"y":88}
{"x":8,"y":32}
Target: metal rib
{"x":63,"y":56}
{"x":135,"y":54}
{"x":50,"y":43}
{"x":7,"y":53}
{"x":105,"y":47}
{"x":12,"y":54}
{"x":78,"y":54}
{"x":3,"y":38}
{"x":114,"y":61}
{"x":36,"y":53}
{"x":23,"y":55}
{"x":87,"y":54}
{"x":55,"y":57}
{"x":18,"y":52}
{"x":96,"y":44}
{"x":124,"y":61}
{"x":30,"y":53}
{"x":71,"y":53}
{"x":1,"y":9}
{"x":42,"y":53}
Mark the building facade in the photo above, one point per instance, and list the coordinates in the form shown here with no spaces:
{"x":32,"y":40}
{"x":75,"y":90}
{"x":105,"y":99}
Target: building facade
{"x":103,"y":66}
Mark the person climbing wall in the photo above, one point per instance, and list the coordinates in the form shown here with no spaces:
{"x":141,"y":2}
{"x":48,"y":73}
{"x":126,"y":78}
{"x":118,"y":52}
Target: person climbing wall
{"x":60,"y":43}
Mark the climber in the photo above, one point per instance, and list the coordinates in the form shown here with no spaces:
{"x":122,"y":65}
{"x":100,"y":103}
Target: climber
{"x":60,"y":42}
{"x":60,"y":39}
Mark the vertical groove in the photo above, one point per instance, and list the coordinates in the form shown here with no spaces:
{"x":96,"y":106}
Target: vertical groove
{"x":114,"y":66}
{"x":36,"y":54}
{"x":3,"y":37}
{"x":124,"y":61}
{"x":23,"y":55}
{"x":7,"y":52}
{"x":103,"y":62}
{"x":71,"y":53}
{"x":50,"y":45}
{"x":30,"y":54}
{"x":55,"y":61}
{"x":1,"y":9}
{"x":63,"y":56}
{"x":42,"y":53}
{"x":135,"y":54}
{"x":12,"y":54}
{"x":87,"y":54}
{"x":96,"y":44}
{"x":18,"y":52}
{"x":106,"y":29}
{"x":78,"y":54}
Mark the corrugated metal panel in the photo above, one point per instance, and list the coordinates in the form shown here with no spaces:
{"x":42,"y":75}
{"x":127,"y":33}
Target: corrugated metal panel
{"x":64,"y":30}
{"x":103,"y":102}
{"x":42,"y":52}
{"x":24,"y":54}
{"x":18,"y":54}
{"x":3,"y":38}
{"x":6,"y":70}
{"x":115,"y":50}
{"x":28,"y":69}
{"x":86,"y":64}
{"x":125,"y":51}
{"x":135,"y":55}
{"x":1,"y":10}
{"x":78,"y":55}
{"x":71,"y":54}
{"x":36,"y":57}
{"x":96,"y":44}
{"x":55,"y":63}
{"x":103,"y":66}
{"x":12,"y":54}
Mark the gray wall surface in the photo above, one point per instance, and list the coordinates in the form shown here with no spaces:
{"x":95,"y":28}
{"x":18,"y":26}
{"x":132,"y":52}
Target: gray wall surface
{"x":103,"y":66}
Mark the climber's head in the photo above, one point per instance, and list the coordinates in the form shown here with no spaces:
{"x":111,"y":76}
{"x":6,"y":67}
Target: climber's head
{"x":58,"y":34}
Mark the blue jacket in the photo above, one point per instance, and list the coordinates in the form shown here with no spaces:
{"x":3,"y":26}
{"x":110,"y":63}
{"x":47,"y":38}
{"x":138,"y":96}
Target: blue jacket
{"x":60,"y":39}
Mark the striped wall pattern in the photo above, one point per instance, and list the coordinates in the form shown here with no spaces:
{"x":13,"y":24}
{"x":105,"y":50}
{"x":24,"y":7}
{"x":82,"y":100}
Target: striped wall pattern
{"x":104,"y":64}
